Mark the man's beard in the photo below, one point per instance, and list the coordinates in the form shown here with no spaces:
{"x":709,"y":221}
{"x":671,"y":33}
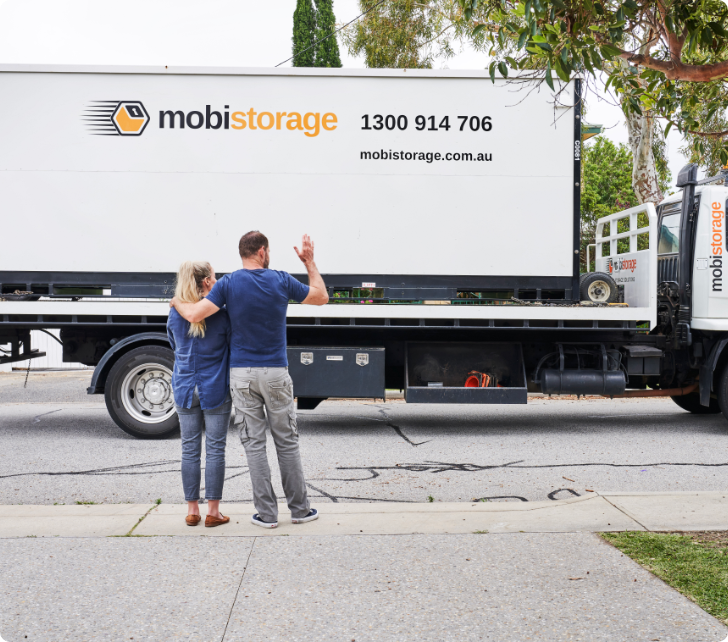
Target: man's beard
{"x":267,"y":261}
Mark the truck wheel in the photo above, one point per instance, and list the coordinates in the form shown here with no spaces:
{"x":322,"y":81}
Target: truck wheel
{"x":723,"y":392}
{"x":598,"y":287}
{"x":691,"y":403}
{"x":138,"y":393}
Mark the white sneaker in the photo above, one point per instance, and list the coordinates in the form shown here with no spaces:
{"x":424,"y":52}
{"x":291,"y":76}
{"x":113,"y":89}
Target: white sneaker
{"x":259,"y":521}
{"x":312,"y":514}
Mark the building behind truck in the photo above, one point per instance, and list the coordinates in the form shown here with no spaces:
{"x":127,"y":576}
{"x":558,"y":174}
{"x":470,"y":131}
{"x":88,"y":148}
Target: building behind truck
{"x":445,"y":210}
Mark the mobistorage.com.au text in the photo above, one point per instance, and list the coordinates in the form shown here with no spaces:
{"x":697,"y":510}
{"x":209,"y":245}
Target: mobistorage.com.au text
{"x":428,"y":157}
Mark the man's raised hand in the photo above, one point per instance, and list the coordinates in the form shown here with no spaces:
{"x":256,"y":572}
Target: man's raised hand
{"x":317,"y":295}
{"x":306,"y":252}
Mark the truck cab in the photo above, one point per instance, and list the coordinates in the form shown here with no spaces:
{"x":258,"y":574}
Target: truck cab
{"x":706,"y":282}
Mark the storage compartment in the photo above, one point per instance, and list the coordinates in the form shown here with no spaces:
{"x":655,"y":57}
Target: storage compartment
{"x":643,"y":360}
{"x":437,"y":373}
{"x":336,"y":372}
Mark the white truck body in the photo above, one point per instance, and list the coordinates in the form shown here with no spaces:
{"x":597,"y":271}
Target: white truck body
{"x":445,"y":210}
{"x":142,"y":200}
{"x":164,"y":195}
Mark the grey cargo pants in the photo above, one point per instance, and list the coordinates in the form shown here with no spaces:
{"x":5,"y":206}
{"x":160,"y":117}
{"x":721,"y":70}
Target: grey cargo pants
{"x":260,"y":396}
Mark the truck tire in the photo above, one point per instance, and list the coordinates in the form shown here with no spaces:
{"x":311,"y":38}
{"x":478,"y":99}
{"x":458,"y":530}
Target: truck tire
{"x":138,"y":393}
{"x":723,"y":392}
{"x":598,"y":287}
{"x":691,"y":403}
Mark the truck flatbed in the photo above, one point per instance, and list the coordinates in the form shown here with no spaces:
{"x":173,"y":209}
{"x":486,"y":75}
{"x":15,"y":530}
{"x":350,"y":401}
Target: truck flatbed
{"x":31,"y":310}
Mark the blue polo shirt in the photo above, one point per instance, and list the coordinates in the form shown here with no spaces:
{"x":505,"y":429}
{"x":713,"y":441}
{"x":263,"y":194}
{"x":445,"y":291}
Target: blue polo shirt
{"x":257,"y":301}
{"x":200,"y":361}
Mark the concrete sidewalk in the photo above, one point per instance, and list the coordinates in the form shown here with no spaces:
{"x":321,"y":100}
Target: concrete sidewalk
{"x":362,"y":572}
{"x":597,"y":512}
{"x":368,"y":588}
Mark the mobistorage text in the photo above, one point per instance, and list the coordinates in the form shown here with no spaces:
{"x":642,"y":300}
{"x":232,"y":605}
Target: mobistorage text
{"x":310,"y":123}
{"x":716,"y":245}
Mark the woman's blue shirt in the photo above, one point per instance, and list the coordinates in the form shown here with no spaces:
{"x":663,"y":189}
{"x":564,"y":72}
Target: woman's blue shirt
{"x":200,"y":361}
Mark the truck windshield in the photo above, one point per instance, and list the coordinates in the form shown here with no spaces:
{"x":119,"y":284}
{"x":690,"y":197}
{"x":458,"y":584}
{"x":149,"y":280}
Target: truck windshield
{"x":669,"y":234}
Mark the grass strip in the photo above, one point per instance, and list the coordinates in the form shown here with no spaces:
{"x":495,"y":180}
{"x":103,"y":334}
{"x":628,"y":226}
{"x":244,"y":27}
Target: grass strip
{"x":693,"y":563}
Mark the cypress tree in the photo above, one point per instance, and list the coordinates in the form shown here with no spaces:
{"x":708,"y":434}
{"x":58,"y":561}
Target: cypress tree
{"x":304,"y":34}
{"x":327,"y":51}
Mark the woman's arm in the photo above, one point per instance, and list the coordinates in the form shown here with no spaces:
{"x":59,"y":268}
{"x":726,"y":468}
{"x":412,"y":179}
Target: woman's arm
{"x":194,"y":312}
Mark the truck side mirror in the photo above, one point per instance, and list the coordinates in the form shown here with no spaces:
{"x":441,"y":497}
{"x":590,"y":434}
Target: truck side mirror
{"x":688,"y":175}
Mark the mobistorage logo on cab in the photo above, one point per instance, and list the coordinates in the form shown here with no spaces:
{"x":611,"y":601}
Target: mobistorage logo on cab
{"x":310,"y":123}
{"x":716,"y":245}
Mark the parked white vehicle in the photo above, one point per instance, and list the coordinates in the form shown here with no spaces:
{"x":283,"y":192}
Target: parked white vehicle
{"x":445,"y":210}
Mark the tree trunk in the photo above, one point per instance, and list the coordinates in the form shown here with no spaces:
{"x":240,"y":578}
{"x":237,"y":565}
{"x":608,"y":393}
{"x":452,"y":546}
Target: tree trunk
{"x":645,"y":181}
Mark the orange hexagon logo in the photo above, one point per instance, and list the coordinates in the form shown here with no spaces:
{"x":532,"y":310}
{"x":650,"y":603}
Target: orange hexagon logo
{"x":115,"y":118}
{"x":130,"y":118}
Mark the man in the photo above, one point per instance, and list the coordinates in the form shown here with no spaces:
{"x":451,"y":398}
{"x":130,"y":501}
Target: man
{"x":257,"y":300}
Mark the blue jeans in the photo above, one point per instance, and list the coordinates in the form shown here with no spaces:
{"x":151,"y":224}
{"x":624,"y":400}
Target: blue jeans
{"x":215,"y":422}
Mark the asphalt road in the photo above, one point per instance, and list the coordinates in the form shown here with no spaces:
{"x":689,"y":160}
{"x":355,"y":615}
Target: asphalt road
{"x":58,"y":445}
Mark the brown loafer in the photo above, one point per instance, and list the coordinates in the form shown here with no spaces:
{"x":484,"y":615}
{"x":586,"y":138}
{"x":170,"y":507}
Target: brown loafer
{"x":193,"y":520}
{"x":211,"y":521}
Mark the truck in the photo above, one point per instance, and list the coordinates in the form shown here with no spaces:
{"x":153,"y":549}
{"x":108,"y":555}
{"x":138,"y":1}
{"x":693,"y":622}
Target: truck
{"x":445,"y":208}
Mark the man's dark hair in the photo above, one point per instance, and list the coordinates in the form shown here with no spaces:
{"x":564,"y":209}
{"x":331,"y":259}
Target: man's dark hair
{"x":250,"y":243}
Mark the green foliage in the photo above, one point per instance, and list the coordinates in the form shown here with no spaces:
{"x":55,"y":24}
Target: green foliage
{"x":311,"y":47}
{"x":304,"y":34}
{"x":669,"y":59}
{"x":394,"y":34}
{"x":698,"y":569}
{"x":707,"y":151}
{"x":413,"y":34}
{"x":327,"y":50}
{"x":607,"y":186}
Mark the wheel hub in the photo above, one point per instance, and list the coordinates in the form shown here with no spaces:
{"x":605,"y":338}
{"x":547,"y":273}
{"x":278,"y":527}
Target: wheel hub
{"x":598,"y":291}
{"x":147,"y":393}
{"x":156,"y":390}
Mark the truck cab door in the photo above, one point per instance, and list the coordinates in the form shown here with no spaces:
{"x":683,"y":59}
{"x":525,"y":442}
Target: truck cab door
{"x":710,"y":289}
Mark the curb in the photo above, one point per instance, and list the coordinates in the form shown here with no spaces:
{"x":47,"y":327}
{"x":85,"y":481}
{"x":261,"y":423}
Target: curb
{"x":600,"y":512}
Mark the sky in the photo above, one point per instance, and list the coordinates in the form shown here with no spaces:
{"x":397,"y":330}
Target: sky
{"x":222,"y":33}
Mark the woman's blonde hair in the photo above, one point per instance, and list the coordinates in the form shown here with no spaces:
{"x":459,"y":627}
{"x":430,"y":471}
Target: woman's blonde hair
{"x":189,"y":288}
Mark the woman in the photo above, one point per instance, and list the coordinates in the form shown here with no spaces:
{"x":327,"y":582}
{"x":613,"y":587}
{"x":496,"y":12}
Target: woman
{"x":201,"y":384}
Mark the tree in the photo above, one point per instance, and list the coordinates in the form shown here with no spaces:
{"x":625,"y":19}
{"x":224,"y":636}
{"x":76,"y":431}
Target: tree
{"x":661,"y":56}
{"x":395,"y":34}
{"x":410,"y":34}
{"x":607,"y":185}
{"x":304,"y":34}
{"x":327,"y":49}
{"x":706,"y":150}
{"x":314,"y":44}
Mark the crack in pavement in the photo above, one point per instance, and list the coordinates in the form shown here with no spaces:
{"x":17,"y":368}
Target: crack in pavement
{"x":423,"y":467}
{"x":116,"y":470}
{"x":385,"y":419}
{"x":441,"y":467}
{"x":398,"y":430}
{"x":323,"y":492}
{"x":242,"y":577}
{"x":37,"y":419}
